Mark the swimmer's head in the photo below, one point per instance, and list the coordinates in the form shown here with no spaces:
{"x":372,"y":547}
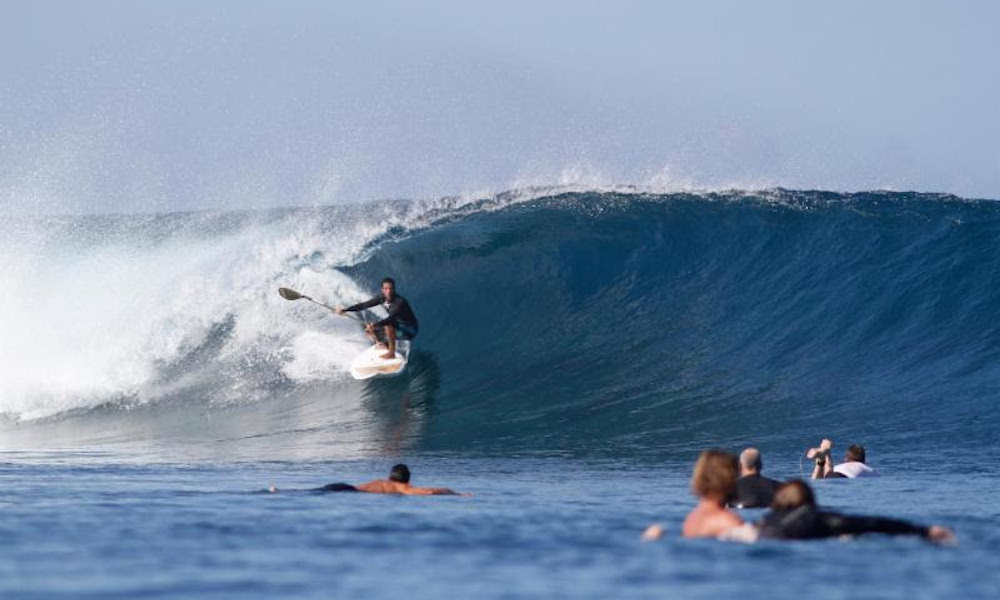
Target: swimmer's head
{"x":751,"y":461}
{"x":400,"y":473}
{"x":855,"y":453}
{"x":793,"y":494}
{"x":715,"y":475}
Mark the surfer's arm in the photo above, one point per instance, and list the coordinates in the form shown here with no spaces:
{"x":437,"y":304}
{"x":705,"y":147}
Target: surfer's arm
{"x":855,"y":525}
{"x":823,"y":468}
{"x":363,"y":305}
{"x":418,"y":491}
{"x":824,"y":462}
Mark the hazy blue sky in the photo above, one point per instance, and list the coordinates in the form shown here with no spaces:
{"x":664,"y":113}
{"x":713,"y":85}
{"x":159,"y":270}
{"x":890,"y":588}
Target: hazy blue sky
{"x":137,"y":105}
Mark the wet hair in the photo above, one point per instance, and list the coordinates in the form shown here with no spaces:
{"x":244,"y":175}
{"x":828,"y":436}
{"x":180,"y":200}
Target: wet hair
{"x":855,"y":453}
{"x":751,"y":459}
{"x":400,"y":473}
{"x":715,"y":474}
{"x":390,"y":281}
{"x":792,"y":494}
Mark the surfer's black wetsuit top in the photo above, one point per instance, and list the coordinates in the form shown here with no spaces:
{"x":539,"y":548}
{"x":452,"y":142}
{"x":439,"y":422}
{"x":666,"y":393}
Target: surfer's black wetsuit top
{"x":400,"y":313}
{"x":806,"y":522}
{"x":755,"y":491}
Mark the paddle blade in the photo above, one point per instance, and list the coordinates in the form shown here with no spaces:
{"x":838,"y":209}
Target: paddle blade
{"x":289,"y":294}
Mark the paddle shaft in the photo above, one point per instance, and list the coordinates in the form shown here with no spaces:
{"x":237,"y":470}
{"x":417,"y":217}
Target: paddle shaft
{"x":290,"y":294}
{"x":363,"y":319}
{"x":320,"y":303}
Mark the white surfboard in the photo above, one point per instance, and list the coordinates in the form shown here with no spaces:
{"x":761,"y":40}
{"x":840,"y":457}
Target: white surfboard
{"x":370,"y":363}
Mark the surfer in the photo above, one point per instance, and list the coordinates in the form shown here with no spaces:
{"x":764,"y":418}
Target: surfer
{"x":714,"y":483}
{"x":397,"y":483}
{"x":401,"y":322}
{"x":753,"y":490}
{"x":853,"y":465}
{"x":794,"y":516}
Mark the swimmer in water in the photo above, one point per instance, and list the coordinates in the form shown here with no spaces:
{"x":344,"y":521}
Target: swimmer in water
{"x":714,"y":483}
{"x":753,"y":490}
{"x":397,"y":483}
{"x":795,"y":516}
{"x":853,"y":465}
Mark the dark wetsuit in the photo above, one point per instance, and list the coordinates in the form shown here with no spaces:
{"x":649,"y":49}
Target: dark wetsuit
{"x":806,"y":522}
{"x":400,"y":315}
{"x":338,"y":487}
{"x":755,"y":491}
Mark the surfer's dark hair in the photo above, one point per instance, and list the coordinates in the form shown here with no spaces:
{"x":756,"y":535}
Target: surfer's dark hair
{"x":400,"y":473}
{"x":856,"y":453}
{"x":390,"y":281}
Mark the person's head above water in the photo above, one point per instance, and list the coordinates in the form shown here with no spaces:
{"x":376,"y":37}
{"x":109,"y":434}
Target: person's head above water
{"x":751,"y":462}
{"x":855,"y":453}
{"x":400,"y":473}
{"x":715,"y":475}
{"x":388,"y":288}
{"x":793,"y":494}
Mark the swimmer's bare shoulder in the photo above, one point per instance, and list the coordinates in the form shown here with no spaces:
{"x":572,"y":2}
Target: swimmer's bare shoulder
{"x":382,"y":486}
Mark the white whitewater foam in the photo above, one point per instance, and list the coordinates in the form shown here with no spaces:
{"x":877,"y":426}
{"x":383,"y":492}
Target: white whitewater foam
{"x":127,"y":320}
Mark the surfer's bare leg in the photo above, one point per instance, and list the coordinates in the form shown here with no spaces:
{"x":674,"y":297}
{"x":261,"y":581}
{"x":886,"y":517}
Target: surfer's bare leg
{"x":390,"y":336}
{"x":373,"y":335}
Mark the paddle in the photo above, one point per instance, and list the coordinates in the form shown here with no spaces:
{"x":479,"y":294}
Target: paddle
{"x":290,"y":294}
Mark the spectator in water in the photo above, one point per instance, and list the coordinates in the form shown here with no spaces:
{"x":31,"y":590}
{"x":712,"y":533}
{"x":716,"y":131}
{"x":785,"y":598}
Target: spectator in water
{"x":753,"y":490}
{"x":853,"y":465}
{"x":794,"y":516}
{"x":714,"y":483}
{"x":397,"y":483}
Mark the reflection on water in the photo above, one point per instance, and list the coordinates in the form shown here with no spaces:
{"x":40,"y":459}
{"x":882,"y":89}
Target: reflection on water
{"x":400,"y":406}
{"x":320,"y":421}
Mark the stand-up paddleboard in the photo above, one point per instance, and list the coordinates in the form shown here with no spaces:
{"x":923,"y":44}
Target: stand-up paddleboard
{"x":370,"y":363}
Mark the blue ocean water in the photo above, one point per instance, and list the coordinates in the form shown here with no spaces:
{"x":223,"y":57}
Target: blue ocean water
{"x":577,"y":350}
{"x":534,"y":528}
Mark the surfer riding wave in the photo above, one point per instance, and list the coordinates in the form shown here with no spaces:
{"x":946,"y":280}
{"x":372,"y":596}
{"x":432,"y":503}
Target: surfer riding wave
{"x":401,"y":323}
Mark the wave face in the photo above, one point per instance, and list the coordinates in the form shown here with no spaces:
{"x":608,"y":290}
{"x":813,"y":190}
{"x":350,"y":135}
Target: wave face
{"x":574,"y":322}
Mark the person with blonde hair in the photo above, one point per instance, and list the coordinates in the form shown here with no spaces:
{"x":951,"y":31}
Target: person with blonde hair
{"x":714,"y":483}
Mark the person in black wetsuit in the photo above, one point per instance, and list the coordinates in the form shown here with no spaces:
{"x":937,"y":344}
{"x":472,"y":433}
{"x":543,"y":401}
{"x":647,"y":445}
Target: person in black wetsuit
{"x":794,"y":516}
{"x":753,"y":490}
{"x":401,"y":322}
